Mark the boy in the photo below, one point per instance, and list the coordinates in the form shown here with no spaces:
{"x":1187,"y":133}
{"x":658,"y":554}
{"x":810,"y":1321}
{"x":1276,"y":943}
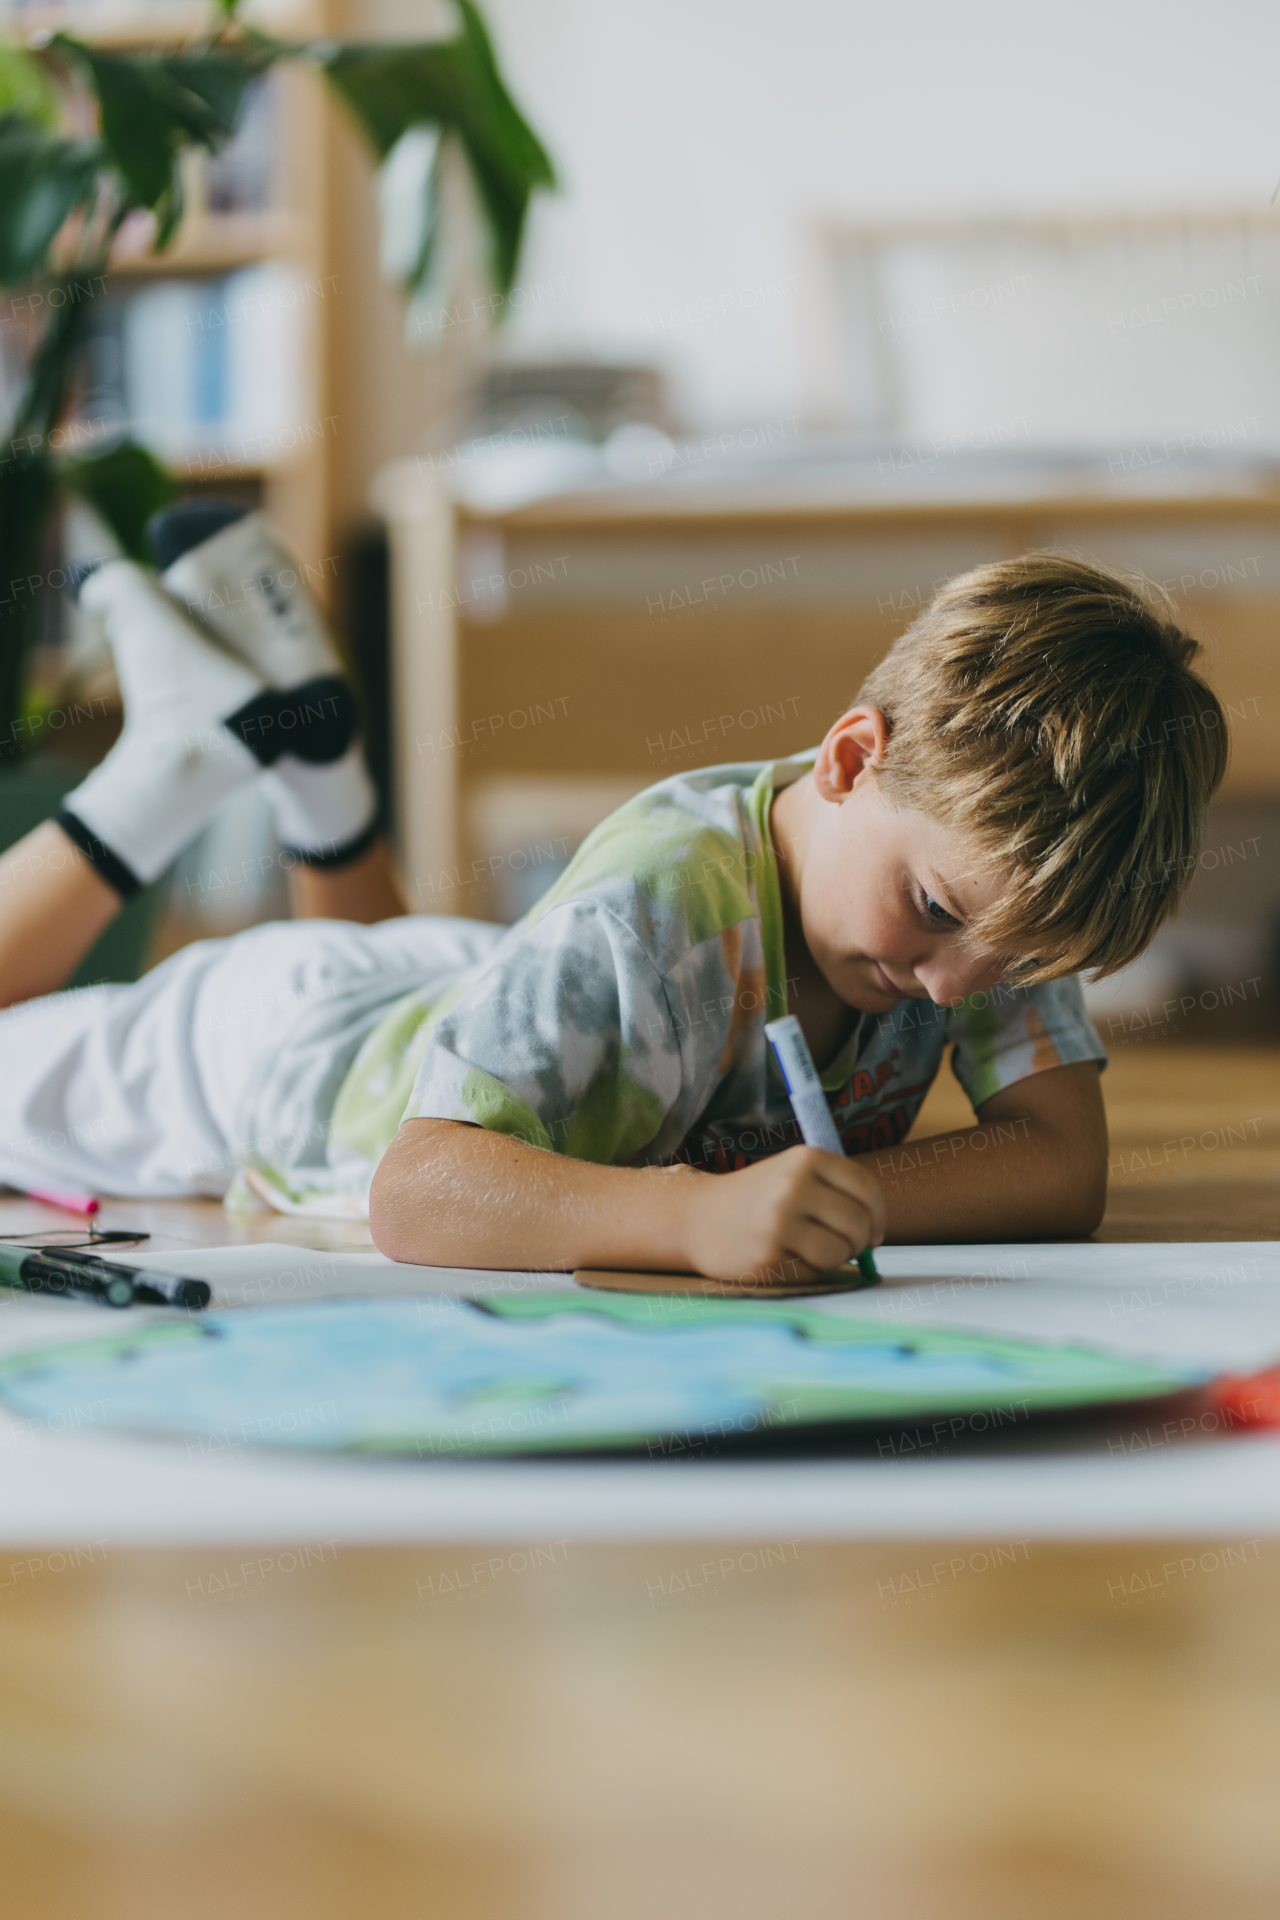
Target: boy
{"x":1014,"y":797}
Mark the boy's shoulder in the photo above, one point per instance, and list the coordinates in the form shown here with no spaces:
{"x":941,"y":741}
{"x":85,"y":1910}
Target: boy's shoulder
{"x":680,"y":862}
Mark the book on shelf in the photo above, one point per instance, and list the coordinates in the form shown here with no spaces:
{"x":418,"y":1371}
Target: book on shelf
{"x":124,"y":22}
{"x":204,"y":372}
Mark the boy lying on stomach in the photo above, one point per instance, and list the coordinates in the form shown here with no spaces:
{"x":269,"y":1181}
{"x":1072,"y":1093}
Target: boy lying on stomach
{"x":1017,"y":794}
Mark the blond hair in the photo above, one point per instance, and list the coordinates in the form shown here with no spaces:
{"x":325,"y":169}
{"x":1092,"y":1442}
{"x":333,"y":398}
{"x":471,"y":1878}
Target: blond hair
{"x":1048,"y":710}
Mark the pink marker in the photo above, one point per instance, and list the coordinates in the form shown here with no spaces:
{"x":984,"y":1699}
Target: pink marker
{"x":69,"y":1202}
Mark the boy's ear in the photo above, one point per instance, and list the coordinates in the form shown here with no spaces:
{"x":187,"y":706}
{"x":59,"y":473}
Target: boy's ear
{"x":855,"y":743}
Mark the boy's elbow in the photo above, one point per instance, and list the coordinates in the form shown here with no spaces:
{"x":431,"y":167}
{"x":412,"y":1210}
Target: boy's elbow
{"x":384,"y":1233}
{"x":1086,"y":1198}
{"x":387,"y":1215}
{"x":409,"y":1198}
{"x":396,"y":1215}
{"x":1090,"y":1210}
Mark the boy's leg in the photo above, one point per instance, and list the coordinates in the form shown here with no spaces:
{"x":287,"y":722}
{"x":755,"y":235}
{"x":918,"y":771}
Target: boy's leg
{"x":136,"y":1089}
{"x":161,"y":1087}
{"x":181,"y":753}
{"x":199,"y":723}
{"x":235,"y":579}
{"x":53,"y":906}
{"x":366,"y":890}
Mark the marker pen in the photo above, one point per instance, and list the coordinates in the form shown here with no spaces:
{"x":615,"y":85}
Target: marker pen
{"x":804,"y":1089}
{"x":67,"y":1270}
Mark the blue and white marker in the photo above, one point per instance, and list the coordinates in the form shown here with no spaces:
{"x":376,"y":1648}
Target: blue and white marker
{"x":813,"y":1115}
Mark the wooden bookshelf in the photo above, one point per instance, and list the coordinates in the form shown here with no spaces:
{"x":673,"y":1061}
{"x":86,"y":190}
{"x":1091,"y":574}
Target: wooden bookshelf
{"x":161,"y":24}
{"x":290,"y":481}
{"x":221,"y":242}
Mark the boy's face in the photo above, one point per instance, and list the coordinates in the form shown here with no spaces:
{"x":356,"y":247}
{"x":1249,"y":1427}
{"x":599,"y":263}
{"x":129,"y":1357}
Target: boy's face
{"x":884,"y":895}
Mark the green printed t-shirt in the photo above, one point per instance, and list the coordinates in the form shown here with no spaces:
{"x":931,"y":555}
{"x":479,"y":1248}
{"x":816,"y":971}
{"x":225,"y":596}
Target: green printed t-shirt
{"x":622,"y":1021}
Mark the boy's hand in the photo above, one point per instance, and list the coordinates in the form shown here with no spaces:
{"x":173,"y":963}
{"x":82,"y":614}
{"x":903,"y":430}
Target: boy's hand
{"x":790,"y":1218}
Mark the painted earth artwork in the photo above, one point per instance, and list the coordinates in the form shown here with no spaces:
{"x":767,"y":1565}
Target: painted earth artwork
{"x":556,"y":1372}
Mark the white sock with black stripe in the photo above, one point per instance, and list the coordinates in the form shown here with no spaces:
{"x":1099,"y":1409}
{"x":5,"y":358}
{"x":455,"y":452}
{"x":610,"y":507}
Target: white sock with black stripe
{"x":182,"y":750}
{"x":233,"y":575}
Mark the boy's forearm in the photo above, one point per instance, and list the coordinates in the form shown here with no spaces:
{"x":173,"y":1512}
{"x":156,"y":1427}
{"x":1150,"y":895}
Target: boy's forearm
{"x":1015,"y":1176}
{"x":447,"y":1194}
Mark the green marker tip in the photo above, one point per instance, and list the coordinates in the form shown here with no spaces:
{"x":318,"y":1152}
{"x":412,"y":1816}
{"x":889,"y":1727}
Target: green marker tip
{"x":867,"y":1267}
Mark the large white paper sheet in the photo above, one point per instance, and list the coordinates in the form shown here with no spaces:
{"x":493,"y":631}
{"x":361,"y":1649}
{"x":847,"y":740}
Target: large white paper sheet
{"x":1217,"y":1302}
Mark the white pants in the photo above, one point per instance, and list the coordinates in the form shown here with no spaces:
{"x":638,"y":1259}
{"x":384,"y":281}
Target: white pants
{"x":141,"y":1090}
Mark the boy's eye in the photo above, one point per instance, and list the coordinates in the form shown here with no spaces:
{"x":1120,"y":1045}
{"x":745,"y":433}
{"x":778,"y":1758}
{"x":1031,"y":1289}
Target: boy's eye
{"x":936,"y":912}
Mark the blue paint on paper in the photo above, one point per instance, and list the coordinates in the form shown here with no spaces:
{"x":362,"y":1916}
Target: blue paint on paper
{"x":551,"y":1372}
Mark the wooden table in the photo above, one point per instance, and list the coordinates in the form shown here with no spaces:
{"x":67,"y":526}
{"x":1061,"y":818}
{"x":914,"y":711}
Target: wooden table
{"x":594,"y":643}
{"x":899,"y":1730}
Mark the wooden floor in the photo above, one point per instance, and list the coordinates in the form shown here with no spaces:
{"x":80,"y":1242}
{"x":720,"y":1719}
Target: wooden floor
{"x":925,"y":1730}
{"x":1195,"y":1140}
{"x":817,"y":1733}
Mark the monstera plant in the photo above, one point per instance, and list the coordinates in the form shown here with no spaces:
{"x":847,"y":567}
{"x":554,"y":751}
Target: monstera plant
{"x":89,"y":137}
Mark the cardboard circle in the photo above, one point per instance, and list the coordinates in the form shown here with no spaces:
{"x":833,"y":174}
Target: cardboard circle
{"x":609,"y":1280}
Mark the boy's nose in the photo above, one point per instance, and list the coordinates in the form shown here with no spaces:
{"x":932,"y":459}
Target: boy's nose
{"x":949,"y":977}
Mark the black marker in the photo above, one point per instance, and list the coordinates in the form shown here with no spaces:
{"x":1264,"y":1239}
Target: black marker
{"x":67,"y":1270}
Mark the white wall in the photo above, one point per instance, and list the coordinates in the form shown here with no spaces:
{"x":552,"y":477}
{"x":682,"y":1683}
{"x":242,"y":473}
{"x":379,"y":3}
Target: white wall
{"x":695,"y":140}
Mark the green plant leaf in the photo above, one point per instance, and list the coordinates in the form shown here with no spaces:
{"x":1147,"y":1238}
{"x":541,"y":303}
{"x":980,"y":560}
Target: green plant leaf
{"x":25,"y":87}
{"x":153,"y":105}
{"x":52,"y":367}
{"x":124,"y":487}
{"x":455,"y":85}
{"x":218,"y":80}
{"x":26,"y":495}
{"x":169,"y":209}
{"x":43,"y":179}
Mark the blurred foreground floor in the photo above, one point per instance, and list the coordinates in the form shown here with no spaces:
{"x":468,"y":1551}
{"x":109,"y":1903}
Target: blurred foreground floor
{"x":906,"y":1731}
{"x":755,"y":1728}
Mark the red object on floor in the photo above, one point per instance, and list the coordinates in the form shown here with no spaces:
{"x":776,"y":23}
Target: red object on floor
{"x":1252,"y":1399}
